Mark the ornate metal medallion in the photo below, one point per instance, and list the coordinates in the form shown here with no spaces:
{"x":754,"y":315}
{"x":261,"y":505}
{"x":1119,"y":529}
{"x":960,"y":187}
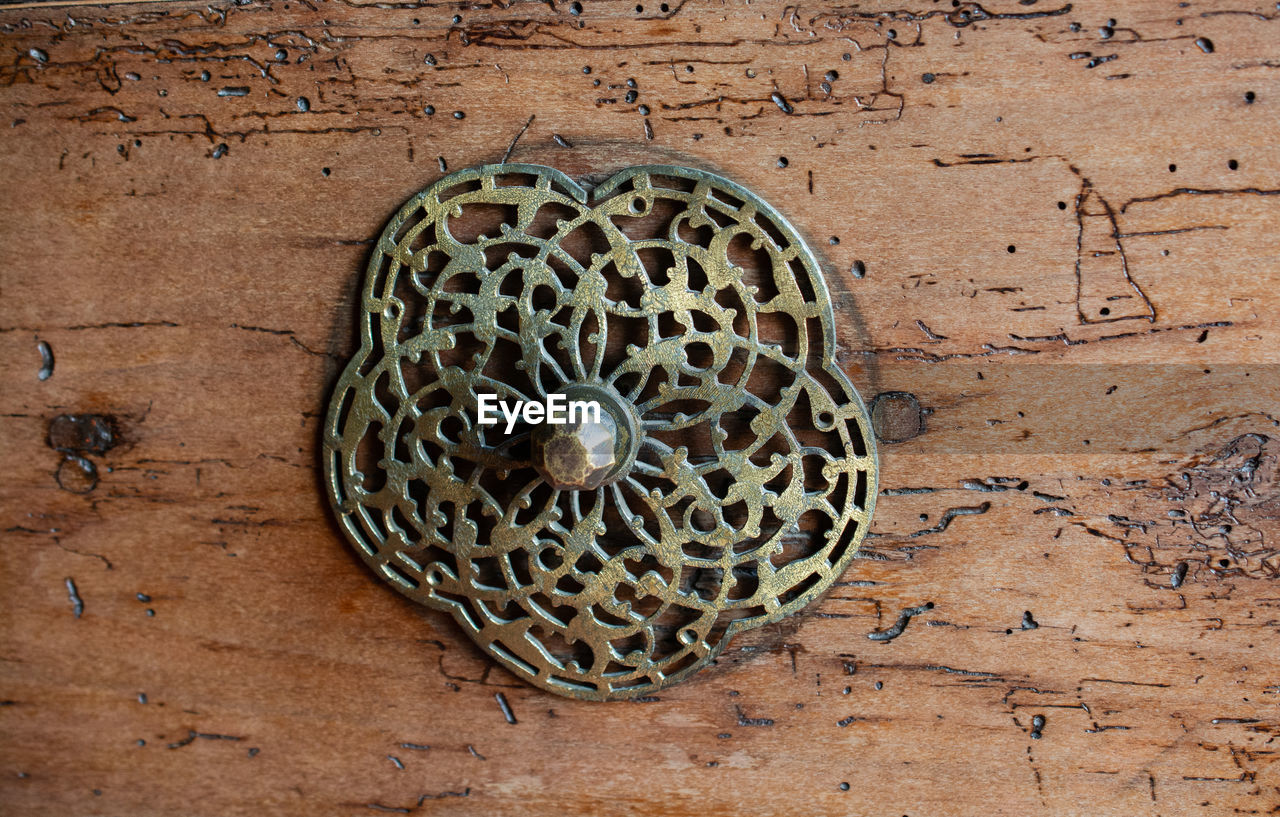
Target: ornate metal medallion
{"x":728,"y":481}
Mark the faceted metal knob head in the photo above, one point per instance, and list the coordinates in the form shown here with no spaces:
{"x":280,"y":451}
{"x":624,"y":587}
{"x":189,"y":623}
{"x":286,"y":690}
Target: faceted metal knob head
{"x":595,"y":449}
{"x":576,"y":456}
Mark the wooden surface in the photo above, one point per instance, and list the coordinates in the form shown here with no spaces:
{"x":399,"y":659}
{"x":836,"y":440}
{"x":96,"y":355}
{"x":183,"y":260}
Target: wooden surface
{"x":1057,"y":255}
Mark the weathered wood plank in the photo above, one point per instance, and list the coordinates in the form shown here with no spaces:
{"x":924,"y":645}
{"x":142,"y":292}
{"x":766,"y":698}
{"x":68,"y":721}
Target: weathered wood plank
{"x":190,"y":190}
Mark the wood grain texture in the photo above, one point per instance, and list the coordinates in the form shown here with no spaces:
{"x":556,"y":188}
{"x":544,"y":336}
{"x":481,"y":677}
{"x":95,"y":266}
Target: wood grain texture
{"x":1055,"y":234}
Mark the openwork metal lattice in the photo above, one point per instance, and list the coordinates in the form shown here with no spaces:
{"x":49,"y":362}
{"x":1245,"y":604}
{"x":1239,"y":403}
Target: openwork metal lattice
{"x":702,"y":317}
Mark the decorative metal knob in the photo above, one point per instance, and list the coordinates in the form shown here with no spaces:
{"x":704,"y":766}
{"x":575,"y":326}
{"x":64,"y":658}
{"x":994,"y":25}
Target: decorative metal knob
{"x":576,"y":456}
{"x":727,"y":480}
{"x":588,"y":451}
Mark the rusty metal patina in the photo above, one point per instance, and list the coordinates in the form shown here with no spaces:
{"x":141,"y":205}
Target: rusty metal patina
{"x":731,"y":483}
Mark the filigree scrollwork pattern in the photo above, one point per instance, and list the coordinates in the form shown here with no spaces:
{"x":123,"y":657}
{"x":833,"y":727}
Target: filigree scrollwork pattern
{"x":695,"y":302}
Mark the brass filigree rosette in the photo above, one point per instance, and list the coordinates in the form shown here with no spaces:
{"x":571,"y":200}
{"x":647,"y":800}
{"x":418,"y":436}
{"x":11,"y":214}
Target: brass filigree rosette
{"x":702,"y":318}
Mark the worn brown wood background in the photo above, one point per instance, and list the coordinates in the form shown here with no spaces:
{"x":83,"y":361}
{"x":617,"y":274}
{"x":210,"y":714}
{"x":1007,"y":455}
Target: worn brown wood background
{"x":1059,"y":234}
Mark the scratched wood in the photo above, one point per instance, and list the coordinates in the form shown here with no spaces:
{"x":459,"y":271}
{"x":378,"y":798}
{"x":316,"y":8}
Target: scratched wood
{"x":1051,"y":234}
